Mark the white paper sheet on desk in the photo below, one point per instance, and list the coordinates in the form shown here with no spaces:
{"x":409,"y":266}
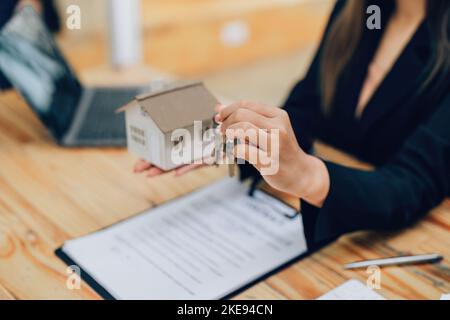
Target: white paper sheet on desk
{"x":445,"y":297}
{"x":205,"y":245}
{"x":351,"y":290}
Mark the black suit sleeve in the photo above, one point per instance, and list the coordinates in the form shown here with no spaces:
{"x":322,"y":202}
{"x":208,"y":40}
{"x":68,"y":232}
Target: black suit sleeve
{"x":391,"y":197}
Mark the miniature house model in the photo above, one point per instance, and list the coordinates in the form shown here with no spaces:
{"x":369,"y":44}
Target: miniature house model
{"x":151,"y":119}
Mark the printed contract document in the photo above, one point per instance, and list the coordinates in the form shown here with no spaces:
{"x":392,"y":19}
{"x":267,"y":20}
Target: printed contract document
{"x":205,"y":245}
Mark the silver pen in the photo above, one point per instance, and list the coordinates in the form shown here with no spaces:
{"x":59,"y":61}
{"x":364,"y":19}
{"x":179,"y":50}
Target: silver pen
{"x":402,"y":260}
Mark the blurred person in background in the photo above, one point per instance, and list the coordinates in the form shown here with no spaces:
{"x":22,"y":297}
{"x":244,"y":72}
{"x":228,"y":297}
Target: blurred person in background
{"x":44,"y":7}
{"x":381,"y":95}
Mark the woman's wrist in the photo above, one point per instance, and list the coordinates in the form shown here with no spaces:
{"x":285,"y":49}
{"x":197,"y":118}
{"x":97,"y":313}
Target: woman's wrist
{"x":314,"y":183}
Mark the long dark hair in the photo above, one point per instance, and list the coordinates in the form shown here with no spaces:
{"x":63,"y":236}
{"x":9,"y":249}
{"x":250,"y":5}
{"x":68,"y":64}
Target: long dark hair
{"x":345,"y":34}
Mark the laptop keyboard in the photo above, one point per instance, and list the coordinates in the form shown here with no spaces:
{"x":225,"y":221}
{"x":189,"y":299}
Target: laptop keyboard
{"x":101,"y":121}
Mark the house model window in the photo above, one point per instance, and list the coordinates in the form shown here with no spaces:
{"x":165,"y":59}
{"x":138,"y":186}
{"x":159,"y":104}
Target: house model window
{"x":152,"y":118}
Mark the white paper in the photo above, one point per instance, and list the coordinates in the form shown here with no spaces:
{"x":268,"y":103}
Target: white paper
{"x":204,"y":245}
{"x":351,"y":290}
{"x":445,"y":297}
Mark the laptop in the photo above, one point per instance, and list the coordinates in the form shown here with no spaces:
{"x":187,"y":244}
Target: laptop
{"x":74,"y":114}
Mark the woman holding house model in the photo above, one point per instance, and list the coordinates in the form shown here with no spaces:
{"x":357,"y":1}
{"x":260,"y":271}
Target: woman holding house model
{"x":381,"y":95}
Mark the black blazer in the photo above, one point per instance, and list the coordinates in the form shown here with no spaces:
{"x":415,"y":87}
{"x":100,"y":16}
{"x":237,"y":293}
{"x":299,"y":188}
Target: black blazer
{"x":406,"y":135}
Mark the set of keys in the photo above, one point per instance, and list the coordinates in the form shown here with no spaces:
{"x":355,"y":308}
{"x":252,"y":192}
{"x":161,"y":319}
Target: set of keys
{"x":223,"y":149}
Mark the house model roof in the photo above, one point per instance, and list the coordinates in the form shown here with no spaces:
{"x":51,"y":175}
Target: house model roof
{"x":177,"y":106}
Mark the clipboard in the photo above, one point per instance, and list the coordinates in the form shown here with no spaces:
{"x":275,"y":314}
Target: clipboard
{"x":105,"y":293}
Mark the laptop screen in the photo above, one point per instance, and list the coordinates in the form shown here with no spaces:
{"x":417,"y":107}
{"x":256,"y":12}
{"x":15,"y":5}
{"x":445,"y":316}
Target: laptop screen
{"x":32,"y":62}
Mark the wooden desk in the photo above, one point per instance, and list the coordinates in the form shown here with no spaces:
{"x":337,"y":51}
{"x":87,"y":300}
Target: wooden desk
{"x":49,"y":195}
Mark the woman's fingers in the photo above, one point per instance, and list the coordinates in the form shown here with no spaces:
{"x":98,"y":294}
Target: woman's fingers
{"x":252,"y":154}
{"x":35,"y":3}
{"x":150,"y":170}
{"x":246,"y":115}
{"x":261,"y":109}
{"x":154,"y":171}
{"x":219,"y":107}
{"x":260,"y":159}
{"x":141,"y":165}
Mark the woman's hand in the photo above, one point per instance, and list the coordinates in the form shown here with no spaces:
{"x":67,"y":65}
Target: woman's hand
{"x":150,"y":170}
{"x":296,"y":172}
